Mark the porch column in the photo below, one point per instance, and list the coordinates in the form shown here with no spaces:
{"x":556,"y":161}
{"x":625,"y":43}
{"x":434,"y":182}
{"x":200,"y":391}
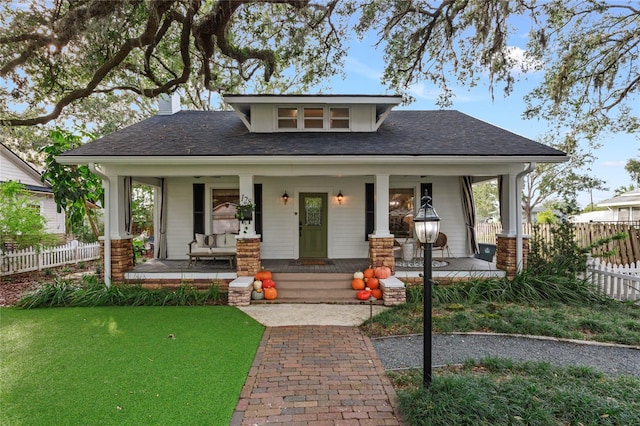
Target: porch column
{"x":117,"y":246}
{"x":381,"y":241}
{"x":246,"y":191}
{"x":512,"y":246}
{"x":508,"y":206}
{"x":382,"y":207}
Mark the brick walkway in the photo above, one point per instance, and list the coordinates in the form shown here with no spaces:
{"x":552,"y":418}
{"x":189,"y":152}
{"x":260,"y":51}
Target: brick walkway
{"x":316,"y":375}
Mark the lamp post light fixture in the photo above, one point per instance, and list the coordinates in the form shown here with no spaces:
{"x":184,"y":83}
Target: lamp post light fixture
{"x":427,"y":227}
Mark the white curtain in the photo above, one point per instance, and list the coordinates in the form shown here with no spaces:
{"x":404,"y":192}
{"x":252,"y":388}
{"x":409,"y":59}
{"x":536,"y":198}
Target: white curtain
{"x":469,"y":212}
{"x":162,"y":244}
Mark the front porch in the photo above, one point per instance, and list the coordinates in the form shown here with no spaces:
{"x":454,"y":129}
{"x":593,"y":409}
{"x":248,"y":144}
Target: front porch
{"x":456,"y":268}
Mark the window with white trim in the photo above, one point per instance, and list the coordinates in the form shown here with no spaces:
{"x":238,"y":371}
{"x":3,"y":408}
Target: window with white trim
{"x":313,"y":118}
{"x":287,"y":118}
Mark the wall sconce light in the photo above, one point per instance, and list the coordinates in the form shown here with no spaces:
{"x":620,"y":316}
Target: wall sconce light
{"x":340,"y":197}
{"x":285,"y":197}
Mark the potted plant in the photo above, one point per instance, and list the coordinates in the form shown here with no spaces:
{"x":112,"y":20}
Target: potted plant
{"x":244,"y":211}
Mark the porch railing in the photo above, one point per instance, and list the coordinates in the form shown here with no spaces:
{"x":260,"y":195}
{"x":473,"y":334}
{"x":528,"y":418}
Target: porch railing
{"x":29,"y":259}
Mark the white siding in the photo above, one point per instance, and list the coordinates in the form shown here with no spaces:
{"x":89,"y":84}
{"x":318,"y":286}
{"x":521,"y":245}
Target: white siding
{"x":48,"y":209}
{"x":263,"y":117}
{"x":362,"y":118}
{"x":346,"y":221}
{"x":9,"y":170}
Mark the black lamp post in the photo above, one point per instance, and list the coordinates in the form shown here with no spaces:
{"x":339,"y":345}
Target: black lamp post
{"x":427,"y":227}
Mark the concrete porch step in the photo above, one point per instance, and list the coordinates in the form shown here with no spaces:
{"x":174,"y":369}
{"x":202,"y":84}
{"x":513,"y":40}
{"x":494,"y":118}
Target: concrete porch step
{"x":314,"y":288}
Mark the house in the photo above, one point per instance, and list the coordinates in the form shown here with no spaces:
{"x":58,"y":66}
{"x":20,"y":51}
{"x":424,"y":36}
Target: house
{"x":353,"y":171}
{"x":13,"y":168}
{"x":624,"y":207}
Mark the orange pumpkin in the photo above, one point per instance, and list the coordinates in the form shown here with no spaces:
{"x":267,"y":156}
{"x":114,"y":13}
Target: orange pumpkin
{"x":264,"y":275}
{"x":363,"y":295}
{"x":369,"y":273}
{"x":377,"y":293}
{"x":357,"y":284}
{"x":373,"y":283}
{"x":270,"y":293}
{"x":382,"y":272}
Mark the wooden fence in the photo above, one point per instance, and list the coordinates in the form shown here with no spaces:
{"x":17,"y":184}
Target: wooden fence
{"x":617,"y":282}
{"x":627,"y":251}
{"x":29,"y":259}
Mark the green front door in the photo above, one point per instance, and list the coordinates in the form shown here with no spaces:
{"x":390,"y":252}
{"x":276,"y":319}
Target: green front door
{"x":313,"y":225}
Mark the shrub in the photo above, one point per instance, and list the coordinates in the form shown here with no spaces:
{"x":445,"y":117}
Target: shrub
{"x":93,"y":293}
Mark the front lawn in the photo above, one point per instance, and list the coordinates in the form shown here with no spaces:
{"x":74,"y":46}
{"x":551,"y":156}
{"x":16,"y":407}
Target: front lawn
{"x":124,"y":365}
{"x":500,"y":392}
{"x":602,"y":321}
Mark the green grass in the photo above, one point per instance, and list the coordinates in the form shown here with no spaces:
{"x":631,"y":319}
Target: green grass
{"x":498,"y":391}
{"x":124,"y":365}
{"x":468,"y":308}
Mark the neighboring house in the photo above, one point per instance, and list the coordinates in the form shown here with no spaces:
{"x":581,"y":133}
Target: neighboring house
{"x":354,"y":172}
{"x":594,"y":216}
{"x":624,"y":207}
{"x":13,"y":168}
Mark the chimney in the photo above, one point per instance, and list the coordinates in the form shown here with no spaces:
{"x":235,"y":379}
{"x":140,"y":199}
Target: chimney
{"x":168,"y":103}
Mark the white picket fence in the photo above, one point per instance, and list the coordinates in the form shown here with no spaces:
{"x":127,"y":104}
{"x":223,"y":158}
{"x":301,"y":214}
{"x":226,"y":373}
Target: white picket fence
{"x":620,"y":282}
{"x":27,"y":260}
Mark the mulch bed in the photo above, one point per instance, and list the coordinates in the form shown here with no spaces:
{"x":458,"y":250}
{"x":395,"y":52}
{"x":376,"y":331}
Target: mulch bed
{"x":12,"y":287}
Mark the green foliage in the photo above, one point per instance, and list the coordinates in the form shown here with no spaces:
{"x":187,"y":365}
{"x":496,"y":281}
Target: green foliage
{"x":75,"y":188}
{"x":20,"y":222}
{"x":500,"y":391}
{"x":633,"y":168}
{"x":561,"y":255}
{"x":621,"y":190}
{"x":93,"y":293}
{"x":485,"y":195}
{"x":152,"y":365}
{"x":142,"y":209}
{"x":547,"y":216}
{"x":92,"y":62}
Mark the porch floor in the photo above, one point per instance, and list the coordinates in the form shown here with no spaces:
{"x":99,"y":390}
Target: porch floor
{"x":207,"y":269}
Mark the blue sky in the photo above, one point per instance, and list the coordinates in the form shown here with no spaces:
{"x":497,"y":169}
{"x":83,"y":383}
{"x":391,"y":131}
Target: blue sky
{"x":364,"y":66}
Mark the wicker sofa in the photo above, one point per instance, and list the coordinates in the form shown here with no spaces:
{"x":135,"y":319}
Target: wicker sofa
{"x":222,"y":246}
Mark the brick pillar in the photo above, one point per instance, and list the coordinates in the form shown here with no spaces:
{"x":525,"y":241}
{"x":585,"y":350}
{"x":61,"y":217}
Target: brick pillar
{"x":381,"y":252}
{"x":248,"y":257}
{"x":121,"y":258}
{"x":506,"y":254}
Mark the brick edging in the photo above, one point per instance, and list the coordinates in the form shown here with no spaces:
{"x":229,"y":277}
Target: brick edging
{"x":384,"y":379}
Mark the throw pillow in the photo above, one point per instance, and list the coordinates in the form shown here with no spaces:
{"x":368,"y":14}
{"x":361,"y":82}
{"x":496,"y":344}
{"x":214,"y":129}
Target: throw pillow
{"x":199,"y":240}
{"x":220,"y":240}
{"x":210,"y":241}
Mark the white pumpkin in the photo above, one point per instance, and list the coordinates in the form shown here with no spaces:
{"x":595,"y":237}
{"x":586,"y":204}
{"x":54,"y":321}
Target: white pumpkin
{"x":358,"y":275}
{"x":257,"y":285}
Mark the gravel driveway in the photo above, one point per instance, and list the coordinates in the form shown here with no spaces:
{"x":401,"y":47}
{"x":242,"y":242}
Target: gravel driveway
{"x":400,"y":352}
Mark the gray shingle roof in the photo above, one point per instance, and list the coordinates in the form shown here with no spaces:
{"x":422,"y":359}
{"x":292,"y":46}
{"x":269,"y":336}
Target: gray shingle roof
{"x":221,"y":133}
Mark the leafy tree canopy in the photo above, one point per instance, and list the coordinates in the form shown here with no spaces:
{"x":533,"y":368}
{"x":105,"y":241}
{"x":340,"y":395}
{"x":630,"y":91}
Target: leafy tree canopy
{"x":61,"y":52}
{"x":633,"y":168}
{"x":76,"y":190}
{"x":588,"y":50}
{"x":56,"y":55}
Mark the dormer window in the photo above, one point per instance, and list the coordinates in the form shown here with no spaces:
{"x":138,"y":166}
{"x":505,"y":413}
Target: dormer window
{"x":287,"y":118}
{"x":313,"y":118}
